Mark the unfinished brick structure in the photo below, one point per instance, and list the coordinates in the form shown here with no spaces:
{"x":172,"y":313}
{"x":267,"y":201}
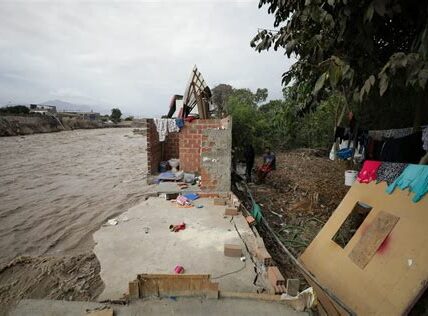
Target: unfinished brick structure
{"x":203,"y":147}
{"x":160,"y":151}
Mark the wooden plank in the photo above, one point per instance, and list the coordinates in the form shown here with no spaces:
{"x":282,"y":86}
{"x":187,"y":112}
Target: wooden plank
{"x":371,"y":240}
{"x":163,"y":285}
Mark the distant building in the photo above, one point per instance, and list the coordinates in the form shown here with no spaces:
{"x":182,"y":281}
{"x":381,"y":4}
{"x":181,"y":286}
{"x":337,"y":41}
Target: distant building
{"x":42,"y":109}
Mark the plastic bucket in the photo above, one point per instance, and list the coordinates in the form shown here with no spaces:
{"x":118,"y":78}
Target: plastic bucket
{"x":350,"y":177}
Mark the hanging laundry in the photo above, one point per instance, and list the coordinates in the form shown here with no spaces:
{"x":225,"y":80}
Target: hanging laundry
{"x":415,"y":178}
{"x":368,"y":172}
{"x":425,"y":139}
{"x":179,"y":122}
{"x":389,"y":171}
{"x":165,"y":126}
{"x":172,"y":126}
{"x":407,"y":149}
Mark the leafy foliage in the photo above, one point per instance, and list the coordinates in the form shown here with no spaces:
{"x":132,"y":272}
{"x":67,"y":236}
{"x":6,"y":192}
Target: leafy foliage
{"x":115,"y":115}
{"x":353,"y":47}
{"x":220,"y":93}
{"x":280,"y":124}
{"x":14,"y":110}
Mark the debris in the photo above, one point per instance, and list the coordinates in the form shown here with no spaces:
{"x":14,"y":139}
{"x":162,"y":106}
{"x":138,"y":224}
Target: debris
{"x":275,"y":277}
{"x":134,"y":289}
{"x":293,"y":286}
{"x":219,"y":201}
{"x":191,"y":196}
{"x":304,"y":300}
{"x":179,"y":269}
{"x":243,"y":259}
{"x":182,"y":200}
{"x":112,"y":222}
{"x":250,"y":220}
{"x":277,"y":214}
{"x":231,"y":211}
{"x":177,"y":228}
{"x":100,"y":311}
{"x":170,"y":196}
{"x":199,"y":206}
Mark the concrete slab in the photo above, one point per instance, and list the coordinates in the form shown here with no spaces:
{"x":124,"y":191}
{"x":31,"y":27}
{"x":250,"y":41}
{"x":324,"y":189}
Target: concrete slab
{"x":183,"y":306}
{"x":144,"y":244}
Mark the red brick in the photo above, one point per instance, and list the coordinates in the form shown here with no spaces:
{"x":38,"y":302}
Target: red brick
{"x":263,"y":255}
{"x":231,"y":211}
{"x":275,"y":277}
{"x":232,"y":250}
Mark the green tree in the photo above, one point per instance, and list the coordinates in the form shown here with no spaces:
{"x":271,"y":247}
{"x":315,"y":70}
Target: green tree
{"x":220,"y":94}
{"x":15,"y":110}
{"x":115,"y":115}
{"x":261,"y":95}
{"x":375,"y":48}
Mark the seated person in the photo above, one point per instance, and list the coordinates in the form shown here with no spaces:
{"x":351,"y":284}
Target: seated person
{"x":269,"y":164}
{"x":269,"y":158}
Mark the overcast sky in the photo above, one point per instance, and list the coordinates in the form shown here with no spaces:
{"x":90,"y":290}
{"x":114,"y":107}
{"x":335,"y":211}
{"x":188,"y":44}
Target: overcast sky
{"x":133,"y":54}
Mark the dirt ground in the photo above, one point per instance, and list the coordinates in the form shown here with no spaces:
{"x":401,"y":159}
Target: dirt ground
{"x":297,"y":199}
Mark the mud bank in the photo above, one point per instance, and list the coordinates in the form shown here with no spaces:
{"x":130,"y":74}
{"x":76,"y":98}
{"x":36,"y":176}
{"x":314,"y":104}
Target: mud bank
{"x":25,"y":125}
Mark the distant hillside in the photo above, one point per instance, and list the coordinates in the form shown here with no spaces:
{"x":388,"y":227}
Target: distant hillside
{"x":67,"y":106}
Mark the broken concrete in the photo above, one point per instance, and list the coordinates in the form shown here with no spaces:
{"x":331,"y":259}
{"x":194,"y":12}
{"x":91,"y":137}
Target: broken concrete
{"x":144,"y":244}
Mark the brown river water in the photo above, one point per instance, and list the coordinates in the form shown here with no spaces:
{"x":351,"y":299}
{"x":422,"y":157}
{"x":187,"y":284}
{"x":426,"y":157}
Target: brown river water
{"x":56,"y":189}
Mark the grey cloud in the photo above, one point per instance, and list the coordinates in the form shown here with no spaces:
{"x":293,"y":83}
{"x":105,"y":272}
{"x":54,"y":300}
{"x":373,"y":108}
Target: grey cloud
{"x":131,"y":54}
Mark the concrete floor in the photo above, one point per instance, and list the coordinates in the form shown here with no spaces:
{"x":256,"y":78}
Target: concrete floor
{"x":172,"y":187}
{"x":183,"y":306}
{"x":143,"y":244}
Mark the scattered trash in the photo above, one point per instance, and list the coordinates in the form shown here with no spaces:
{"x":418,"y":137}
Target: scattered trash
{"x":189,"y":177}
{"x":243,"y":259}
{"x":177,"y":228}
{"x":112,"y":222}
{"x":277,"y":214}
{"x":182,"y":200}
{"x":304,"y":300}
{"x":179,"y":269}
{"x":146,"y":229}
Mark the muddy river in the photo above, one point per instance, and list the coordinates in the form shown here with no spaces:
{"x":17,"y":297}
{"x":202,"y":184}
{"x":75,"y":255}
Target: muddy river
{"x":56,"y":189}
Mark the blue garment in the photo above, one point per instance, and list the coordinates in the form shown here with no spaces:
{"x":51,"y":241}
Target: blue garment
{"x":179,"y":122}
{"x":414,"y":177}
{"x":344,"y":153}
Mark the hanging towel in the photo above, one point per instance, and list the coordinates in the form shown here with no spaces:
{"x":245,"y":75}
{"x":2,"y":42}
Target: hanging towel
{"x":368,"y":172}
{"x":389,"y":171}
{"x":165,"y":126}
{"x":172,"y":126}
{"x":415,"y":178}
{"x":162,"y":128}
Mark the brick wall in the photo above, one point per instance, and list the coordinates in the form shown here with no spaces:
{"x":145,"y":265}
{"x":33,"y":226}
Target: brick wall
{"x":205,"y":147}
{"x":191,"y":137}
{"x":155,"y":147}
